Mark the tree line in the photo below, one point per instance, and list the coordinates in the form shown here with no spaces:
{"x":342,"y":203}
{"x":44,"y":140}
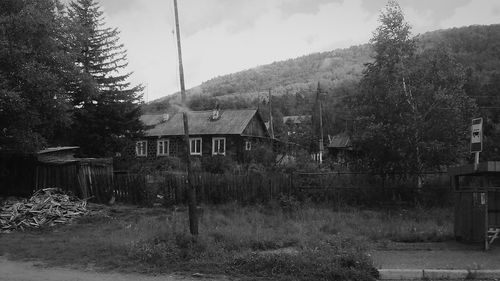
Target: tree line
{"x":406,"y":100}
{"x":63,"y":79}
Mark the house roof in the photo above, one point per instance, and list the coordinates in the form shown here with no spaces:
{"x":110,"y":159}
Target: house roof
{"x":153,"y":119}
{"x":339,"y":141}
{"x":231,"y":122}
{"x":297,"y":119}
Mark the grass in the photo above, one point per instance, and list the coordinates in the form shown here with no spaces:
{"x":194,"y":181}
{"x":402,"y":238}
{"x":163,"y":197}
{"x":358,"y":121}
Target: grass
{"x":236,"y":240}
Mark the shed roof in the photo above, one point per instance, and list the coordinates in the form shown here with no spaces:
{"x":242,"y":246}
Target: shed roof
{"x":231,"y":122}
{"x":57,"y":149}
{"x":340,"y":141}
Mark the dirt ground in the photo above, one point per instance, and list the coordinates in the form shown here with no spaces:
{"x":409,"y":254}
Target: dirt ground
{"x":33,"y":271}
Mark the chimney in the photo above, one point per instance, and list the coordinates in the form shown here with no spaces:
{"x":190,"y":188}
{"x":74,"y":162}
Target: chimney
{"x":216,"y":112}
{"x":165,"y":117}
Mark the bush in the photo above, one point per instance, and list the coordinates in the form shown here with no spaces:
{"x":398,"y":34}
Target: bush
{"x":302,"y":162}
{"x":321,"y":263}
{"x":288,"y":203}
{"x":262,"y":154}
{"x":218,"y":164}
{"x":147,"y":166}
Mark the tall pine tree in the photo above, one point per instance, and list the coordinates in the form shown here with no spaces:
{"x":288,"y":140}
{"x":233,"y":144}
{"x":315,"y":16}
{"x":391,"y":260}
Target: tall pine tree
{"x":107,"y":106}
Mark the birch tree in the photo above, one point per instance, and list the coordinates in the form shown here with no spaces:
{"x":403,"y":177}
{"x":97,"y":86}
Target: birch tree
{"x":412,"y":114}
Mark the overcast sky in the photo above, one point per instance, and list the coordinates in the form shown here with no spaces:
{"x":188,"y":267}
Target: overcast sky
{"x":225,"y":36}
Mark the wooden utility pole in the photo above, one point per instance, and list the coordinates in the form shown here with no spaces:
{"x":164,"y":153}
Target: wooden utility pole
{"x":193,"y":220}
{"x":271,"y":127}
{"x":321,"y":146}
{"x":181,"y":68}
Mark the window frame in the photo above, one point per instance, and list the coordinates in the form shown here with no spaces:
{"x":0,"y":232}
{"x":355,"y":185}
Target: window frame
{"x":248,"y":145}
{"x":191,"y":140}
{"x":144,"y":148}
{"x":166,"y":147}
{"x":218,"y":139}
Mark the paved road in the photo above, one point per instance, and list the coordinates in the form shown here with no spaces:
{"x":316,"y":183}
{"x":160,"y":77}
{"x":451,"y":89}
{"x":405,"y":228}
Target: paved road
{"x":438,"y":256}
{"x":29,"y":271}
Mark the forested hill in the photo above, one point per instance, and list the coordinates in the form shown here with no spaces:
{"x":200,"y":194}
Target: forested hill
{"x":294,"y":74}
{"x":476,"y":47}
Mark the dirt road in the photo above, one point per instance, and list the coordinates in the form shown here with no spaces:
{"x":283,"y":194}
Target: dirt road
{"x":31,"y":271}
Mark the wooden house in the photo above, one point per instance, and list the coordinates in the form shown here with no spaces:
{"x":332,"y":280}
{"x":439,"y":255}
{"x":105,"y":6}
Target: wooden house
{"x":231,"y":133}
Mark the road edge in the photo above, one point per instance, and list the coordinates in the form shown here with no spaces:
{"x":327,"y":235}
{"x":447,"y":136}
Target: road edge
{"x":432,"y":274}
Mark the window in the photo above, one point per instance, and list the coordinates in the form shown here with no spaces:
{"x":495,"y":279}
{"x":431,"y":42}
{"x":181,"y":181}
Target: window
{"x":219,"y":146}
{"x":248,"y":145}
{"x":141,"y":148}
{"x":195,"y":146}
{"x":162,"y":148}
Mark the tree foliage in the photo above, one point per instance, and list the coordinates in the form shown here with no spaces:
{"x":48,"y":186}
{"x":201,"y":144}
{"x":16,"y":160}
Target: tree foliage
{"x":412,"y":114}
{"x":35,"y":71}
{"x":107,"y":114}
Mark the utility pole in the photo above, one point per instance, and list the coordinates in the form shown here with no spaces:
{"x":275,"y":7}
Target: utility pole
{"x":181,"y":68}
{"x":271,"y":127}
{"x":321,"y":146}
{"x":193,"y":220}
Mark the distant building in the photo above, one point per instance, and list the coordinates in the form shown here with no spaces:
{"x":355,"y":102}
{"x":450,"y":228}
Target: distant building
{"x":296,"y":119}
{"x":340,"y":148}
{"x":292,"y":123}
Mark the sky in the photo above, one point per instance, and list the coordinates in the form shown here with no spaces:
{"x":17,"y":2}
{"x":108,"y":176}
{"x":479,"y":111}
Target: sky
{"x":225,"y":36}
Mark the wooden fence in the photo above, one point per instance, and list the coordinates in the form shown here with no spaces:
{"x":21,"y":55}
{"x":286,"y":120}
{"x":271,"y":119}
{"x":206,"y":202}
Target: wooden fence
{"x":372,"y":189}
{"x":171,"y":188}
{"x":336,"y":188}
{"x":85,"y":178}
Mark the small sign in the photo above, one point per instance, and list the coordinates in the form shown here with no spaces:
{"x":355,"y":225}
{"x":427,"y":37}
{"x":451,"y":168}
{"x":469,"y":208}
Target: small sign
{"x":476,"y":140}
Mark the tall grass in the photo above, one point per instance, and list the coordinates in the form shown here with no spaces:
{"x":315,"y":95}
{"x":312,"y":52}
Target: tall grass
{"x":269,"y":241}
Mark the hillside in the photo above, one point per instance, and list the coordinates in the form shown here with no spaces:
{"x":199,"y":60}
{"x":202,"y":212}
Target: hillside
{"x":476,"y":47}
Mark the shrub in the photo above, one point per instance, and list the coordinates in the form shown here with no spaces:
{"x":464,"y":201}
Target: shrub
{"x":325,"y":262}
{"x":218,"y":164}
{"x":167,"y":163}
{"x":262,"y":154}
{"x":288,"y":203}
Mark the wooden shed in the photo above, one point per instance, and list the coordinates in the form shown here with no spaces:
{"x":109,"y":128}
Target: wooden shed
{"x":84,"y":177}
{"x":23,"y":173}
{"x":477,"y":202}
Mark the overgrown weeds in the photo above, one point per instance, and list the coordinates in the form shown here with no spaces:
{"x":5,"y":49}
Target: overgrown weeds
{"x":234,"y":239}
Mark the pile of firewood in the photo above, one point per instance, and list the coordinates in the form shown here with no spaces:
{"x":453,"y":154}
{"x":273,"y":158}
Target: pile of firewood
{"x":48,"y":206}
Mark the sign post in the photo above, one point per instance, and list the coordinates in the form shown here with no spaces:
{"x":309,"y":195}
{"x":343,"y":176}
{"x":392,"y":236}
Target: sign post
{"x":476,"y":141}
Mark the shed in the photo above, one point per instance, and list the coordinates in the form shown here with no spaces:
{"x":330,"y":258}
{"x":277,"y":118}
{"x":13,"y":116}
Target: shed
{"x":23,"y":173}
{"x":477,"y":202}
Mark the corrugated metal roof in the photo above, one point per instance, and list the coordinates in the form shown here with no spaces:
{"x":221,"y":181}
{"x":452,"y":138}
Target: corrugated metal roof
{"x":231,"y":122}
{"x":339,"y":141}
{"x":297,"y":119}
